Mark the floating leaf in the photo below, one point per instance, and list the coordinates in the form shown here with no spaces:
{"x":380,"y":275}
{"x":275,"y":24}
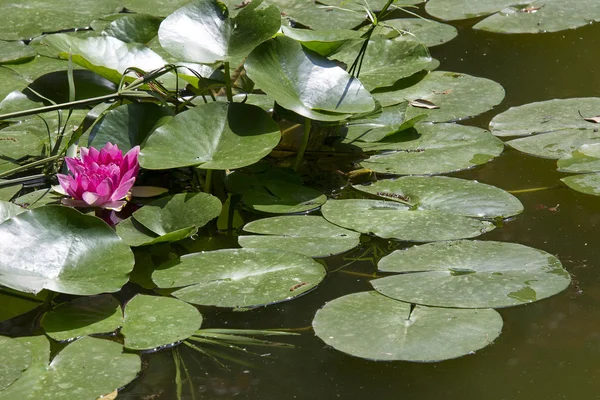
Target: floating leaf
{"x":127,"y":126}
{"x":310,"y":235}
{"x":430,"y":33}
{"x":453,"y":195}
{"x":8,"y":210}
{"x":387,"y":61}
{"x":15,"y":52}
{"x":134,"y":28}
{"x":372,"y":326}
{"x":70,"y":371}
{"x":471,"y":274}
{"x":306,"y":83}
{"x":558,"y":144}
{"x":8,"y":192}
{"x":38,"y":198}
{"x":83,"y":316}
{"x":432,"y":149}
{"x":15,"y":303}
{"x":584,"y":159}
{"x":275,"y":191}
{"x":60,"y":249}
{"x":155,"y":321}
{"x":323,"y":42}
{"x":135,"y":234}
{"x":202,"y":32}
{"x":14,"y":359}
{"x":211,"y":136}
{"x":240,"y":277}
{"x":449,"y":96}
{"x":388,"y":219}
{"x":515,"y":16}
{"x":586,"y":183}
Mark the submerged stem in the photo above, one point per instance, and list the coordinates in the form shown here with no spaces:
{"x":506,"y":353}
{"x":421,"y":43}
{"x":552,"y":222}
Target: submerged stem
{"x":208,"y":181}
{"x":304,"y":144}
{"x":529,"y":190}
{"x":228,"y":83}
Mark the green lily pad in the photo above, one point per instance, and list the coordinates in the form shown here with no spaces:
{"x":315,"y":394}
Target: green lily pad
{"x":15,"y":303}
{"x":275,"y":191}
{"x":319,"y":16}
{"x":323,"y":42}
{"x":514,"y":16}
{"x":430,"y":33}
{"x":585,"y":159}
{"x":458,"y":96}
{"x":60,"y":249}
{"x":135,"y":234}
{"x":14,"y":359}
{"x":586,"y":183}
{"x":15,"y":52}
{"x":155,"y":321}
{"x":211,"y":136}
{"x":127,"y":125}
{"x":556,"y":145}
{"x":180,"y":211}
{"x":105,"y":55}
{"x":546,"y":117}
{"x":306,"y":83}
{"x":386,"y":61}
{"x":471,"y":274}
{"x":202,"y":32}
{"x":134,"y":28}
{"x":309,"y":235}
{"x":8,"y":210}
{"x":453,"y":195}
{"x":10,"y":81}
{"x":432,"y":149}
{"x":83,"y":316}
{"x":8,"y":192}
{"x":375,"y":327}
{"x":240,"y":277}
{"x":392,"y":220}
{"x":15,"y":144}
{"x":38,"y":198}
{"x":70,"y":371}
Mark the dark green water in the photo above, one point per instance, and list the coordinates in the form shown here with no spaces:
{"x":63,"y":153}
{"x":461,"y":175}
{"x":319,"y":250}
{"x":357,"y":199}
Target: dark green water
{"x":547,"y":350}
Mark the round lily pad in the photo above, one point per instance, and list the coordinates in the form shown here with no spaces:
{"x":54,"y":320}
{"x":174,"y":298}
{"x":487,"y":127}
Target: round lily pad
{"x":240,"y":277}
{"x":586,"y":183}
{"x":430,"y":33}
{"x":14,"y":359}
{"x":453,"y":195}
{"x":211,"y":136}
{"x":457,"y":96}
{"x":393,"y":220}
{"x":323,"y":42}
{"x":60,"y":249}
{"x":16,"y":303}
{"x":432,"y":149}
{"x":471,"y":274}
{"x":584,"y":159}
{"x":8,"y":210}
{"x":154,"y":321}
{"x":375,"y":327}
{"x":305,"y":234}
{"x":135,"y":234}
{"x":83,"y":316}
{"x":15,"y":52}
{"x":557,"y":144}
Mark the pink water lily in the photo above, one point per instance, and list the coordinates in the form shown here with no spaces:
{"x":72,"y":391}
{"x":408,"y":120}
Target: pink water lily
{"x":100,"y":178}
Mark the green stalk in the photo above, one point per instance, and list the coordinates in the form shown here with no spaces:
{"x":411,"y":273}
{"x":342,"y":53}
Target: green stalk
{"x":228,"y":83}
{"x":208,"y":181}
{"x":304,"y":144}
{"x":27,"y":166}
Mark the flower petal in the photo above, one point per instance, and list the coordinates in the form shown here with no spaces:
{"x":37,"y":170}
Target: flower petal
{"x":122,"y":190}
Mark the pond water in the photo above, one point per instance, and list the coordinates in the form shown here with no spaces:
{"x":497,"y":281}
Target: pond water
{"x":549,"y":349}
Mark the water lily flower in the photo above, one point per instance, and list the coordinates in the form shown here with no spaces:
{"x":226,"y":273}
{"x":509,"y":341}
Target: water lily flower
{"x":100,"y":178}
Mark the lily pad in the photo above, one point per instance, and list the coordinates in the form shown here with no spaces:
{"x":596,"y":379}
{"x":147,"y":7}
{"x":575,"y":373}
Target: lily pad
{"x":10,"y":81}
{"x":432,"y":149}
{"x":586,"y":183}
{"x":15,"y":303}
{"x":305,"y":82}
{"x":15,"y":144}
{"x":202,"y":32}
{"x":60,"y":249}
{"x":70,"y":371}
{"x":127,"y":125}
{"x":15,"y":52}
{"x":323,"y":42}
{"x":83,"y":316}
{"x":386,"y":61}
{"x":180,"y":211}
{"x":453,"y":195}
{"x":38,"y":198}
{"x":275,"y":191}
{"x":309,"y":235}
{"x":514,"y":16}
{"x":8,"y":192}
{"x":14,"y":359}
{"x":557,"y":115}
{"x":558,"y":144}
{"x":240,"y":277}
{"x":471,"y":274}
{"x":392,"y":220}
{"x":155,"y":321}
{"x":211,"y":136}
{"x":135,"y":234}
{"x":458,"y":96}
{"x":8,"y":210}
{"x":375,"y":327}
{"x":430,"y":33}
{"x":584,"y":159}
{"x":134,"y":28}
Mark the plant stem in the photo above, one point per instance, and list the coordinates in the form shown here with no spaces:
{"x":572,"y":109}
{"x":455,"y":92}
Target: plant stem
{"x":538,"y":189}
{"x":208,"y":181}
{"x":27,"y":166}
{"x":20,"y":180}
{"x":228,"y":83}
{"x":304,"y":144}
